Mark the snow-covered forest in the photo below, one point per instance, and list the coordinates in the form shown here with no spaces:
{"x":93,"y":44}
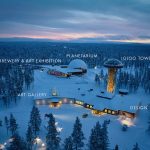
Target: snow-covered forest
{"x":24,"y":126}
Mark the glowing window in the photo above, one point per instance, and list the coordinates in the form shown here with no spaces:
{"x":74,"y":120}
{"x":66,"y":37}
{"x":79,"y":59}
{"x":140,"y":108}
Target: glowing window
{"x":113,"y":112}
{"x":109,"y":111}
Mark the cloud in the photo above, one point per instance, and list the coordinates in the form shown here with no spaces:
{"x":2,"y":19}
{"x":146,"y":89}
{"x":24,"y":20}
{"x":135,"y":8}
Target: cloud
{"x":70,"y":19}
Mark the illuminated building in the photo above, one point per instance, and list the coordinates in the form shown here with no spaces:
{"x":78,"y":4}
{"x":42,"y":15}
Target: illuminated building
{"x":75,"y":67}
{"x":112,"y":65}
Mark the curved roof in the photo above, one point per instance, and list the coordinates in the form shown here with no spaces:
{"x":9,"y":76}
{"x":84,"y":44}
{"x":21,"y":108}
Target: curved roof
{"x":113,"y":63}
{"x":77,"y":63}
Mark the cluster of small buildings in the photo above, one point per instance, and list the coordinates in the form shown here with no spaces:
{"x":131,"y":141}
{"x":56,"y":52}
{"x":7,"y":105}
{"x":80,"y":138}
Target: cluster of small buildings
{"x":79,"y":67}
{"x":58,"y":101}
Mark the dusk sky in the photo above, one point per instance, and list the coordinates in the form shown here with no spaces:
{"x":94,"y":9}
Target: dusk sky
{"x":76,"y":20}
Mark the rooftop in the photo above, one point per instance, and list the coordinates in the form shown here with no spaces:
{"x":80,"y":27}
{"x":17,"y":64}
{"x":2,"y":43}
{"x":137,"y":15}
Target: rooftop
{"x":77,"y":63}
{"x":113,"y":63}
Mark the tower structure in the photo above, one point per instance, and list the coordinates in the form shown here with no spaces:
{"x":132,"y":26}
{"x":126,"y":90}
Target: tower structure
{"x":113,"y":65}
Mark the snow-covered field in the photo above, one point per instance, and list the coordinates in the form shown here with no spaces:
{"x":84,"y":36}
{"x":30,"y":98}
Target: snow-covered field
{"x":66,"y":114}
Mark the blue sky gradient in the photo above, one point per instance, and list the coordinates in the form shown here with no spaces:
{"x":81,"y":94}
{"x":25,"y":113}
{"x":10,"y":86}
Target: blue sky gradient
{"x":76,"y":20}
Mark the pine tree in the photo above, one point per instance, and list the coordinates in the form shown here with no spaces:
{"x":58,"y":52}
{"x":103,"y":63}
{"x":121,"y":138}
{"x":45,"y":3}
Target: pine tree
{"x":95,"y":140}
{"x":98,"y":139}
{"x":35,"y":120}
{"x":105,"y":136}
{"x":77,"y":135}
{"x":116,"y":147}
{"x":68,"y":145}
{"x":13,"y":126}
{"x":6,"y":123}
{"x":136,"y":147}
{"x":52,"y":138}
{"x":29,"y":138}
{"x":17,"y":143}
{"x":92,"y":140}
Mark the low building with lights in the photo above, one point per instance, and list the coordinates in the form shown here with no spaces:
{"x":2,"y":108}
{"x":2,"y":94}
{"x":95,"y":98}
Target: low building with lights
{"x":97,"y":112}
{"x":78,"y":102}
{"x":110,"y":111}
{"x":88,"y":106}
{"x":75,"y":67}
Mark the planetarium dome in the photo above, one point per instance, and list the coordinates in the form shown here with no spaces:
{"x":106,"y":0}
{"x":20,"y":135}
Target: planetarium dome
{"x":77,"y":64}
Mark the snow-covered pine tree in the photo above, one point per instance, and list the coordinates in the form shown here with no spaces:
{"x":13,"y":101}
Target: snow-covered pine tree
{"x":6,"y":121}
{"x":99,"y":137}
{"x":136,"y":147}
{"x":29,"y":138}
{"x":105,"y":136}
{"x":13,"y":126}
{"x":68,"y":144}
{"x":35,"y":120}
{"x":116,"y":147}
{"x":52,"y":138}
{"x":92,"y":140}
{"x":95,"y":139}
{"x":17,"y":143}
{"x":77,"y":135}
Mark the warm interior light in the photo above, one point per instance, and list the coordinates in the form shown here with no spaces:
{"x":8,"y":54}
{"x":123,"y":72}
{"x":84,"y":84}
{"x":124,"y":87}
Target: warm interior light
{"x":111,"y":80}
{"x":126,"y":121}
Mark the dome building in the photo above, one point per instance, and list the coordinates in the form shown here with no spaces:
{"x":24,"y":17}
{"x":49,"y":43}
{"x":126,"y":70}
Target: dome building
{"x":75,"y":67}
{"x":78,"y":66}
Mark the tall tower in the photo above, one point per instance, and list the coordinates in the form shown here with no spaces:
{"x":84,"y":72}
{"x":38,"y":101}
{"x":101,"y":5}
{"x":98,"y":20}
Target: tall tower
{"x":112,"y":65}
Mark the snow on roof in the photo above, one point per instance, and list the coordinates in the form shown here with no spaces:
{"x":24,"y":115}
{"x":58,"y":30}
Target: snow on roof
{"x":77,"y":63}
{"x":113,"y":63}
{"x":106,"y":95}
{"x":67,"y":70}
{"x":118,"y":102}
{"x":55,"y":99}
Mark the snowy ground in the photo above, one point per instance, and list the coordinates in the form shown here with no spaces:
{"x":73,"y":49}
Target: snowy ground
{"x":66,"y":114}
